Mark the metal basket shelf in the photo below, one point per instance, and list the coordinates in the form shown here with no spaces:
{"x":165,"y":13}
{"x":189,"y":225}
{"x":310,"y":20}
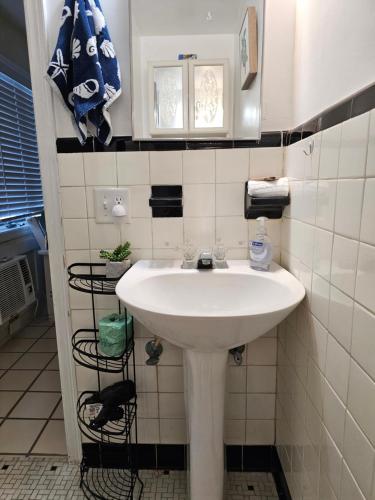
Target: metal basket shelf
{"x":100,"y":482}
{"x":93,"y":281}
{"x":86,"y":353}
{"x":110,"y":484}
{"x":116,"y":432}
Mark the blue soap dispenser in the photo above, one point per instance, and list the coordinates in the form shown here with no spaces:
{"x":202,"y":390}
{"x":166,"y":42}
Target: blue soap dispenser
{"x":261,"y":248}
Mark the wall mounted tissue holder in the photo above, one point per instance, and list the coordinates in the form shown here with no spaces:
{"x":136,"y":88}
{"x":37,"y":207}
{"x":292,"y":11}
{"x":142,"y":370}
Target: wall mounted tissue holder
{"x":271,"y":207}
{"x":166,"y":201}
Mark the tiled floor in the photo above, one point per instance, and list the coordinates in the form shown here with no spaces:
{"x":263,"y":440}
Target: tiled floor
{"x":31,"y":419}
{"x":47,"y":478}
{"x":239,"y":486}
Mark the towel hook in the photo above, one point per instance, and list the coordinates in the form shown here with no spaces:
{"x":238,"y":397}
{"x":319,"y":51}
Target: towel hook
{"x":310,"y":148}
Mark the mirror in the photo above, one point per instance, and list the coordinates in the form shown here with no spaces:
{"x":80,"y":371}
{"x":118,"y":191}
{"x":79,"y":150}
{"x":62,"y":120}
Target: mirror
{"x":196,"y":69}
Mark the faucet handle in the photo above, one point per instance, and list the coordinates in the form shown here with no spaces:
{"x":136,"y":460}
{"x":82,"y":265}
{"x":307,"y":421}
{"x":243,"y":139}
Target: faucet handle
{"x":189,"y":252}
{"x":219,"y":253}
{"x":189,"y":255}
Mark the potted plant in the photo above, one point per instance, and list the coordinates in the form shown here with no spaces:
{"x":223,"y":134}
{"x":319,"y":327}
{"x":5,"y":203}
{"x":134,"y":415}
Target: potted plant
{"x":117,"y":261}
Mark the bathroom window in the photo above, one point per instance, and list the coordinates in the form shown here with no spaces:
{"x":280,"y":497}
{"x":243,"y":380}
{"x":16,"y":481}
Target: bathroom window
{"x":20,"y":182}
{"x":208,"y":100}
{"x":189,"y":98}
{"x":168,"y":84}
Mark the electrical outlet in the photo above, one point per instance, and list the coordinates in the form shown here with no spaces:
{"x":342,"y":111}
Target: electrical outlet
{"x":105,"y":199}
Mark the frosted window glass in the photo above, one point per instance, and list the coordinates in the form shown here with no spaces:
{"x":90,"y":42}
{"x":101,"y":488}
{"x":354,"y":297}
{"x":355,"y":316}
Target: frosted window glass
{"x":168,"y":105}
{"x":209,"y":96}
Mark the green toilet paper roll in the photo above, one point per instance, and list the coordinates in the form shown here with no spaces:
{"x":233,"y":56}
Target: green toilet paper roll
{"x":114,"y":335}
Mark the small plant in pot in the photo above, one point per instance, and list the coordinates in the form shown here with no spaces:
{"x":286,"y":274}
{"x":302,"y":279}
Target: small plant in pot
{"x":117,"y":261}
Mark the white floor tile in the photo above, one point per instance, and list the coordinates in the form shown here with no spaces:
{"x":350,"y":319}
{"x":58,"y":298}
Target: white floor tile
{"x":47,"y":381}
{"x":31,"y":332}
{"x":44,"y":345}
{"x":50,"y":333}
{"x":8,"y":359}
{"x":33,"y":361}
{"x":36,"y":405}
{"x":54,"y":364}
{"x":7,"y":401}
{"x":18,"y":380}
{"x":17,"y":345}
{"x":18,"y":436}
{"x":52,"y":440}
{"x":58,"y":413}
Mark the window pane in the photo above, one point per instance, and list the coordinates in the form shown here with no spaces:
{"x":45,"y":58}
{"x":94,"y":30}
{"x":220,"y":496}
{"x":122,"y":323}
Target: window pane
{"x":20,"y":182}
{"x":209,"y":96}
{"x":168,"y":105}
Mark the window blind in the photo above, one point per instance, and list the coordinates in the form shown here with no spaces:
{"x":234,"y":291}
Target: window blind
{"x":20,"y":182}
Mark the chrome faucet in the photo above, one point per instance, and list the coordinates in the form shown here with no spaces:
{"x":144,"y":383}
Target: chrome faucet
{"x":205,"y":260}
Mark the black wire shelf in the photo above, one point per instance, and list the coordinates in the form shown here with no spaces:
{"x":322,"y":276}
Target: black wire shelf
{"x":91,"y":278}
{"x":86,"y":352}
{"x":110,"y":484}
{"x":115,"y":432}
{"x":98,"y":481}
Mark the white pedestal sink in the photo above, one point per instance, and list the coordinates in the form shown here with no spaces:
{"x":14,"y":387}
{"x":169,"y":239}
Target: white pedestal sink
{"x":207,"y":313}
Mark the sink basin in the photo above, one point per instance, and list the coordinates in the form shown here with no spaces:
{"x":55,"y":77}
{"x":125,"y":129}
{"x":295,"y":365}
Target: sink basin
{"x":208,"y":310}
{"x":207,"y":313}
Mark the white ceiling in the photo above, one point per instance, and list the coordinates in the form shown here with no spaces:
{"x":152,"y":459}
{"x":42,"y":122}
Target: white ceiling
{"x":188,"y":17}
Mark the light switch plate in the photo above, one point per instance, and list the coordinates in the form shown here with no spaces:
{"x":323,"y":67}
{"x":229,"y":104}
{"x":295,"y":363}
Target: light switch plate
{"x":105,"y":199}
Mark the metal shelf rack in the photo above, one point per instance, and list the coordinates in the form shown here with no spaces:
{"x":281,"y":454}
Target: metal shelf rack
{"x":101,"y":482}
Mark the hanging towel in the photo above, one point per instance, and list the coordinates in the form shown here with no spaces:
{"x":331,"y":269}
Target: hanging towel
{"x":268,"y":189}
{"x":84,"y":69}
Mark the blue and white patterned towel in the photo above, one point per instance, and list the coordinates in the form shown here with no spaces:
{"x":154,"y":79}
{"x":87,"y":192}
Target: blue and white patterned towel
{"x":84,"y":68}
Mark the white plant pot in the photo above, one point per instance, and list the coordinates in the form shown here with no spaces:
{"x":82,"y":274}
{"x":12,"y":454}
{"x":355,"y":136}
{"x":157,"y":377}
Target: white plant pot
{"x":117,"y":269}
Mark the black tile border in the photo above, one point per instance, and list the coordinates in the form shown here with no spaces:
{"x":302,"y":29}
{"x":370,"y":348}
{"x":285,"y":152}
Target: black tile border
{"x":126,"y":144}
{"x":174,"y":457}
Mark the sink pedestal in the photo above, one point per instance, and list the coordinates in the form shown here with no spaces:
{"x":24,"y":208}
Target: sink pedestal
{"x":205,"y":375}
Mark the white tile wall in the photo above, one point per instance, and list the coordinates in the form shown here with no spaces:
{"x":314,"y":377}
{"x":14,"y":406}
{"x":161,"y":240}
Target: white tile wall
{"x":199,"y":200}
{"x":367,"y":224}
{"x":133,"y":168}
{"x":348,"y":215}
{"x":232,"y":165}
{"x":344,"y":262}
{"x":213,"y":183}
{"x":363,"y":339}
{"x":326,"y":370}
{"x":71,"y":171}
{"x":166,"y":167}
{"x":354,"y":142}
{"x":325,"y":205}
{"x":198,"y":167}
{"x":370,"y":164}
{"x":100,"y":169}
{"x":266,"y":162}
{"x":330,"y":152}
{"x":364,"y":290}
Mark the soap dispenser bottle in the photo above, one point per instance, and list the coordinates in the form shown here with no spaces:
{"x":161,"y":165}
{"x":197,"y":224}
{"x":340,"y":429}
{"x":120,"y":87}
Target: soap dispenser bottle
{"x":261,"y":248}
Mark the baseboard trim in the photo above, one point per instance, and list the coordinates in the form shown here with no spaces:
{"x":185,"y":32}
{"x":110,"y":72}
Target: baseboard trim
{"x":174,"y":457}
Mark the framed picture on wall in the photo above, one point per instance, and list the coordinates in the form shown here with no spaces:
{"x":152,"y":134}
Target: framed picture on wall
{"x":248,"y":48}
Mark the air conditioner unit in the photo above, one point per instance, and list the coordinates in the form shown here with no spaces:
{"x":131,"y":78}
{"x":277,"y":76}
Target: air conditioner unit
{"x":16,"y":287}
